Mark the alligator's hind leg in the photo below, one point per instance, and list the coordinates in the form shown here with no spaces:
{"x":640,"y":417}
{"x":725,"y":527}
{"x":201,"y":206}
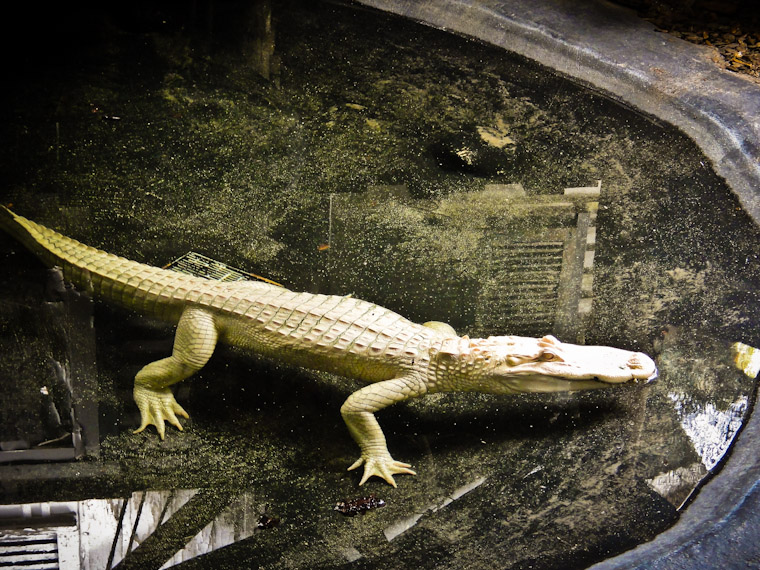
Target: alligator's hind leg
{"x":194,"y":343}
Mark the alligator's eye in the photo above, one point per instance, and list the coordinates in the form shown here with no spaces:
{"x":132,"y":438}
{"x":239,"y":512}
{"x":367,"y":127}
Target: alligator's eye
{"x":548,"y":357}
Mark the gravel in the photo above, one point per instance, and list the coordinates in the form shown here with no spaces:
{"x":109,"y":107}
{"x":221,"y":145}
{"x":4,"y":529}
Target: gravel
{"x":732,"y":28}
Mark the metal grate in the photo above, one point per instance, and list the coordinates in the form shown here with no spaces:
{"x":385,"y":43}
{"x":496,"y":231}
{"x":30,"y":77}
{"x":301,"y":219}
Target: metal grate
{"x":521,"y":294}
{"x":34,"y":551}
{"x":193,"y":263}
{"x":199,"y":265}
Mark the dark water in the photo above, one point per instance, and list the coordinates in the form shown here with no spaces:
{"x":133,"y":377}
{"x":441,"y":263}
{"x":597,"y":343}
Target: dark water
{"x":342,"y":151}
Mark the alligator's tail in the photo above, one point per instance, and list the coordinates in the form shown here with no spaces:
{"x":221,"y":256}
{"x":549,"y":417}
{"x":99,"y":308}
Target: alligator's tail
{"x":51,"y":247}
{"x":128,"y":283}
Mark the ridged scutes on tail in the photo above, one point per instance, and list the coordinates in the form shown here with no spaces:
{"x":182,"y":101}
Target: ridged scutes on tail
{"x":109,"y":276}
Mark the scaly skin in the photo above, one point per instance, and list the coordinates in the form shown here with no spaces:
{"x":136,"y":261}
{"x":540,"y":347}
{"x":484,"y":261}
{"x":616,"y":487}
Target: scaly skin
{"x":397,"y":359}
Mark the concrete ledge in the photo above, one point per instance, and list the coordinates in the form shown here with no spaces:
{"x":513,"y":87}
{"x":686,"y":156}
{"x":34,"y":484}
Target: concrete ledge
{"x":609,"y":49}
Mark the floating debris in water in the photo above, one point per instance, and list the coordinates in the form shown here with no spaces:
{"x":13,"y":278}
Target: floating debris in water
{"x":355,"y":506}
{"x":746,"y":359}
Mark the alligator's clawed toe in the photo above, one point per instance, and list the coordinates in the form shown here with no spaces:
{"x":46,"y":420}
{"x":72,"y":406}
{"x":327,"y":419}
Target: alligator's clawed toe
{"x":156,"y":408}
{"x":383,"y":467}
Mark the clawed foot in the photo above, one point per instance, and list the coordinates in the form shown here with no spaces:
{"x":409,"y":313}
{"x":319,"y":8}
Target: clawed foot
{"x":384,"y":467}
{"x":156,"y":407}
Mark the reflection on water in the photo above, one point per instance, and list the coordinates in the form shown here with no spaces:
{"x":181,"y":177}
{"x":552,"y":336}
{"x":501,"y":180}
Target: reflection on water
{"x":101,"y":532}
{"x":707,"y":393}
{"x":710,"y":430}
{"x":399,"y":527}
{"x":487,"y":261}
{"x":678,"y":484}
{"x":343,"y":152}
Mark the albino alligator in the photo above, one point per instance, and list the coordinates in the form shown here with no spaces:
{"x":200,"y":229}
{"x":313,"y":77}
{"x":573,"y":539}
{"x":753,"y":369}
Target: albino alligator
{"x":397,"y":358}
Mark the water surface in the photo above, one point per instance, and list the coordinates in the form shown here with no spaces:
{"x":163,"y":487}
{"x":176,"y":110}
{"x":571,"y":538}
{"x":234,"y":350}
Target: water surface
{"x":342,"y":151}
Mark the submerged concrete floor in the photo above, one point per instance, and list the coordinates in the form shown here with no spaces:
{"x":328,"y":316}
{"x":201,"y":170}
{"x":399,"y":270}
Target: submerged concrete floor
{"x":611,"y":49}
{"x":164,"y":146}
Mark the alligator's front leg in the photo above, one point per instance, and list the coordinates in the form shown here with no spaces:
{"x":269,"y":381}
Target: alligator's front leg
{"x":194,"y":343}
{"x":358,"y":413}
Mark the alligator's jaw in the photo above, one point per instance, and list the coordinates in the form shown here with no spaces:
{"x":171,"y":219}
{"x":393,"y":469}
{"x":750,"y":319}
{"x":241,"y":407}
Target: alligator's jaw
{"x":545,"y":384}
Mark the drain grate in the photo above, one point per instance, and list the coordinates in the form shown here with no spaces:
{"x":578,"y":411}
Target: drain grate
{"x":521,"y":293}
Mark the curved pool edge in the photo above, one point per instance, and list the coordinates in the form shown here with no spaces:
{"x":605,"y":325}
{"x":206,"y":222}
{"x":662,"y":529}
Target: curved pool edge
{"x":609,"y":49}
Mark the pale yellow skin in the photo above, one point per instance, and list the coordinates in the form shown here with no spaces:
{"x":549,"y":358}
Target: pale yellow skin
{"x":397,"y":359}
